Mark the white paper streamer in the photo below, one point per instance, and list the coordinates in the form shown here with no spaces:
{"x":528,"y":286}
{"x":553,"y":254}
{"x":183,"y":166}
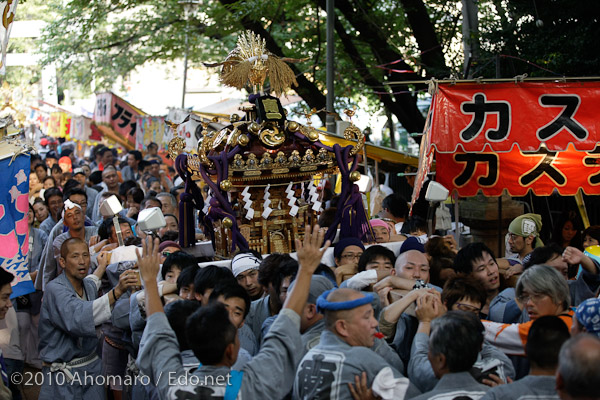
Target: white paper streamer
{"x":267,"y":210}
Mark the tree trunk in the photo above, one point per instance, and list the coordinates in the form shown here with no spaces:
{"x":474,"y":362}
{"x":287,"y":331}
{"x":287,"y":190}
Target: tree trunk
{"x":432,"y":55}
{"x":406,"y":111}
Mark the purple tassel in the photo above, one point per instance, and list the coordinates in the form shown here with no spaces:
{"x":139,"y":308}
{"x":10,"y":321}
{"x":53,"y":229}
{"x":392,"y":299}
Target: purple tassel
{"x":220,"y":206}
{"x":190,"y":199}
{"x":351,"y":215}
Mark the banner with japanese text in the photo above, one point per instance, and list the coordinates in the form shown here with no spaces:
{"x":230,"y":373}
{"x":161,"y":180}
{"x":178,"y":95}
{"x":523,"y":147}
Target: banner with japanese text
{"x":476,"y":117}
{"x":14,"y":227}
{"x":59,"y":125}
{"x":150,"y":129}
{"x":118,"y":114}
{"x":80,"y":128}
{"x":543,"y":172}
{"x":9,"y":10}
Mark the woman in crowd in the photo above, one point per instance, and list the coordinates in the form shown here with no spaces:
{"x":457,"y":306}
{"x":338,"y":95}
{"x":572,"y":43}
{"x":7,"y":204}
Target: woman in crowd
{"x":591,"y":236}
{"x":567,"y":231}
{"x":40,"y":210}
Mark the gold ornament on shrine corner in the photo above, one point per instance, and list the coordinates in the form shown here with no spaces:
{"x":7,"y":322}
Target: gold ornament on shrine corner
{"x":293,"y":126}
{"x":354,"y":176}
{"x":243,"y":140}
{"x":352,"y":132}
{"x":204,"y":146}
{"x":227,"y":222}
{"x":225,"y":185}
{"x":176,"y":146}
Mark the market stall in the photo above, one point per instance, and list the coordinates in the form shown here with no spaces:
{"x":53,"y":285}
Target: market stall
{"x":491,"y":137}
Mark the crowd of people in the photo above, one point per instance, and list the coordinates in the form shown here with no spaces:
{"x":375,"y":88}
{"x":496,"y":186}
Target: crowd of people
{"x":403,"y":314}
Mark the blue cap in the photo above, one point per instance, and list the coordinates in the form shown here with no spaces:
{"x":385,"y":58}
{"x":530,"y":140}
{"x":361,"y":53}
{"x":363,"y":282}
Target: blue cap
{"x":588,"y":315}
{"x":412,"y":243}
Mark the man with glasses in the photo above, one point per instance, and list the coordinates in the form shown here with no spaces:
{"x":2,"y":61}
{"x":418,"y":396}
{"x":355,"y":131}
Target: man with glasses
{"x":110,"y":179}
{"x":80,"y":176}
{"x":346,"y":254}
{"x":76,"y":196}
{"x":523,"y":236}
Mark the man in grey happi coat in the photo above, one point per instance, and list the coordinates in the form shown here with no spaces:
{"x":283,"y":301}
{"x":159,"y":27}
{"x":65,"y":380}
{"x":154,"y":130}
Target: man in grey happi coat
{"x":419,"y":368}
{"x":312,"y":324}
{"x":545,"y":338}
{"x":268,"y":375}
{"x":454,"y":344}
{"x":344,"y":352}
{"x":67,"y":330}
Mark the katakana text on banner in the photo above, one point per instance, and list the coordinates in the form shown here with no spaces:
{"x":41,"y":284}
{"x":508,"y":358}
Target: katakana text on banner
{"x":492,"y":117}
{"x":543,"y":172}
{"x":113,"y":111}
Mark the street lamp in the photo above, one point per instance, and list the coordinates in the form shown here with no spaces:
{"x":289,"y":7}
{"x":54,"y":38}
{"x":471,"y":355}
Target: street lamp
{"x":189,"y":10}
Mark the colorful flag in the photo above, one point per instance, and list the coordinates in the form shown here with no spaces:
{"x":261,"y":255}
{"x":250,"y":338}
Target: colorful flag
{"x":14,"y":228}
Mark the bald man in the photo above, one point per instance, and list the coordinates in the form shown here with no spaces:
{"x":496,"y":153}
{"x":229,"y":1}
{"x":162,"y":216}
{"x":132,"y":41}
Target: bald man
{"x":344,"y":352}
{"x":412,"y":272}
{"x":579,"y":368}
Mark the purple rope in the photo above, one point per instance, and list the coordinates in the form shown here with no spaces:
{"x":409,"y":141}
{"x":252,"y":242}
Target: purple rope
{"x":190,"y":199}
{"x":300,"y":136}
{"x":222,"y":208}
{"x":350,"y":215}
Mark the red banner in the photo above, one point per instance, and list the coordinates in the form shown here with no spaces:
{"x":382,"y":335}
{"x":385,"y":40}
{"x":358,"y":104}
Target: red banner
{"x":543,"y":172}
{"x":468,"y":116}
{"x":113,"y":111}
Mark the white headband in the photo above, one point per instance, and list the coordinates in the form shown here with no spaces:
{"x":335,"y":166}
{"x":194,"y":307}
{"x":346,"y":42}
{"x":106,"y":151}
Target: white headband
{"x":68,"y":206}
{"x":243,"y":262}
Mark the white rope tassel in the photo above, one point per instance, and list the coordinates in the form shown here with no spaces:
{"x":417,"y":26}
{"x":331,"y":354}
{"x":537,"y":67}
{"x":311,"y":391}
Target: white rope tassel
{"x":314,"y":197}
{"x":247,"y":203}
{"x":207,"y":202}
{"x":291,"y":196}
{"x":267,"y":202}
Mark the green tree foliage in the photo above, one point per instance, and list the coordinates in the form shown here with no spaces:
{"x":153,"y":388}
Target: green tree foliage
{"x":540,"y":38}
{"x":96,"y":42}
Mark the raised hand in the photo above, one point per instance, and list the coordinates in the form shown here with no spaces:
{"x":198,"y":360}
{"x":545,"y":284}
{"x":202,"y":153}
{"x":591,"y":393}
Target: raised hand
{"x":149,"y":260}
{"x":572,"y":255}
{"x":429,"y":307}
{"x":128,"y":279}
{"x":309,"y":250}
{"x":103,"y":259}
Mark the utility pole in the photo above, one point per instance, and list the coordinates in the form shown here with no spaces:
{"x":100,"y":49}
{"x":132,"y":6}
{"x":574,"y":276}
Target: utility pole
{"x":330,"y":122}
{"x":190,"y":7}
